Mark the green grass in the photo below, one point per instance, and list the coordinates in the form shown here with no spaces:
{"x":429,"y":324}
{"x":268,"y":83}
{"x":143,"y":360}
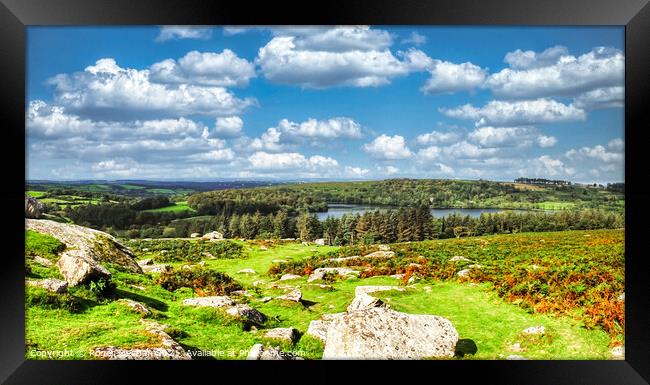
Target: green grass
{"x":476,"y":311}
{"x":177,"y":207}
{"x":42,"y":245}
{"x":36,"y":194}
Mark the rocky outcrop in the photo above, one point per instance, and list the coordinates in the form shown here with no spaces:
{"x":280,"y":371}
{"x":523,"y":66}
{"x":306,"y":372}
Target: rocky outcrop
{"x":247,"y":313}
{"x":33,"y":208}
{"x":259,"y":352}
{"x":287,"y":334}
{"x":43,"y":261}
{"x":169,"y":349}
{"x":50,"y":284}
{"x":318,"y":329}
{"x":215,"y":301}
{"x":341,"y":271}
{"x":77,"y":268}
{"x":380,"y":333}
{"x":93,"y":244}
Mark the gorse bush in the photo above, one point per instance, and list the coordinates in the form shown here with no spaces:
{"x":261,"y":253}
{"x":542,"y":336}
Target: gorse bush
{"x":204,"y":282}
{"x":183,"y":250}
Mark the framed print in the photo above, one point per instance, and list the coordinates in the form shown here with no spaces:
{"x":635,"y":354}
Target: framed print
{"x":445,"y":187}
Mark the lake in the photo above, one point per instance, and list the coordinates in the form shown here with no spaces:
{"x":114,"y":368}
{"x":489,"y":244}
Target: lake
{"x":337,"y":210}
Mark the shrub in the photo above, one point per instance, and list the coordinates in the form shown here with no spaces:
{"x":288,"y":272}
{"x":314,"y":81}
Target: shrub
{"x":36,"y":296}
{"x":204,"y":282}
{"x":184,"y":250}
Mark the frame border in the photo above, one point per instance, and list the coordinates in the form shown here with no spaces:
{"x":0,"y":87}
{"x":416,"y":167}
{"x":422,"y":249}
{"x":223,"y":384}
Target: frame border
{"x":16,"y":15}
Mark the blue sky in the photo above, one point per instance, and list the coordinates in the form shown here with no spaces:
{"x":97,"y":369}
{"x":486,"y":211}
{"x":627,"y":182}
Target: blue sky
{"x":352,"y":102}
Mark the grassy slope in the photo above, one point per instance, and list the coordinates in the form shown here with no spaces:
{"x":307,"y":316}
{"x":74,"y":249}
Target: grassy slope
{"x":177,"y":207}
{"x":477,"y":313}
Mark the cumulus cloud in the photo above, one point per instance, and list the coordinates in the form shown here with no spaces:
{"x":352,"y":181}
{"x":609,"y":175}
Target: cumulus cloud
{"x":449,"y":77}
{"x":510,"y":137}
{"x":460,"y":150}
{"x":289,"y":161}
{"x":415,"y":39}
{"x":228,"y":127}
{"x":386,"y":147}
{"x":356,"y":172}
{"x":437,"y":137}
{"x":356,"y":56}
{"x":556,"y":73}
{"x":176,"y":32}
{"x":107,"y":91}
{"x":608,"y":97}
{"x":613,"y":152}
{"x":311,"y":132}
{"x":523,"y":112}
{"x":223,"y":69}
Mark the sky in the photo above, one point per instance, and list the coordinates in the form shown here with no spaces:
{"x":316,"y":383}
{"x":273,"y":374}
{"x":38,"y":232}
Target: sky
{"x":325,"y":102}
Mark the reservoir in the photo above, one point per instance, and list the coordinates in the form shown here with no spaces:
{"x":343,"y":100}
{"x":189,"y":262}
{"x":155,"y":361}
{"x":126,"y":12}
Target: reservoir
{"x":337,"y":210}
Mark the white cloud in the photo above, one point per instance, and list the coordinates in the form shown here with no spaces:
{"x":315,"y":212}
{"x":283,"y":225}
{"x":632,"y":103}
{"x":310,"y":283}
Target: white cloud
{"x":312,"y":132}
{"x":509,"y":137}
{"x":437,"y":137}
{"x":517,"y":112}
{"x":449,"y":77}
{"x":356,"y":171}
{"x":106,"y":91}
{"x":608,"y":97}
{"x":546,"y":166}
{"x":223,"y":69}
{"x":388,"y":148}
{"x":217,"y":156}
{"x":175,"y":32}
{"x":523,"y":60}
{"x":341,"y":56}
{"x":289,"y":161}
{"x":228,"y":127}
{"x":616,"y":145}
{"x":598,"y":152}
{"x":555,"y":73}
{"x":415,"y":39}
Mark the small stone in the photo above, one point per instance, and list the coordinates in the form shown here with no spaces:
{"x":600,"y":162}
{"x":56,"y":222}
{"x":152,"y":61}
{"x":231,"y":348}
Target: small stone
{"x":247,"y":313}
{"x":621,"y":297}
{"x":247,"y":271}
{"x":397,"y":276}
{"x":43,"y":261}
{"x":288,"y":334}
{"x":157,"y":268}
{"x":535,"y":330}
{"x":214,"y":301}
{"x":50,"y":284}
{"x":266,"y":299}
{"x":294,"y":296}
{"x":136,"y":306}
{"x":457,"y":258}
{"x":463,"y":273}
{"x":515,"y":357}
{"x":147,"y":261}
{"x":258,"y":283}
{"x":618,"y":352}
{"x":288,"y":277}
{"x":263,"y":248}
{"x":384,"y":247}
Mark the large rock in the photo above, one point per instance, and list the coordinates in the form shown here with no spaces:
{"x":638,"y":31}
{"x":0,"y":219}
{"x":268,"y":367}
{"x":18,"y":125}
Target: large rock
{"x":169,"y":349}
{"x":380,"y":333}
{"x":212,"y":235}
{"x":363,"y":300}
{"x":341,"y":271}
{"x":318,"y":329}
{"x":259,"y":352}
{"x":33,"y":208}
{"x":247,"y":313}
{"x":50,"y":284}
{"x":77,"y":268}
{"x":95,"y":244}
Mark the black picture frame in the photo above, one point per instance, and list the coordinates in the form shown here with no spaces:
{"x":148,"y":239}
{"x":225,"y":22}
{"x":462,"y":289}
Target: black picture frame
{"x":15,"y":15}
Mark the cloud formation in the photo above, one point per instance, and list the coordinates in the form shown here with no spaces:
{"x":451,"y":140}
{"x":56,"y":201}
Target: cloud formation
{"x":386,"y":147}
{"x":176,"y":32}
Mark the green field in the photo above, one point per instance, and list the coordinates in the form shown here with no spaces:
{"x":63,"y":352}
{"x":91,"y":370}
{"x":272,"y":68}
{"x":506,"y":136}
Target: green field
{"x":475,"y":306}
{"x":556,"y":205}
{"x":177,"y":207}
{"x":36,"y":194}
